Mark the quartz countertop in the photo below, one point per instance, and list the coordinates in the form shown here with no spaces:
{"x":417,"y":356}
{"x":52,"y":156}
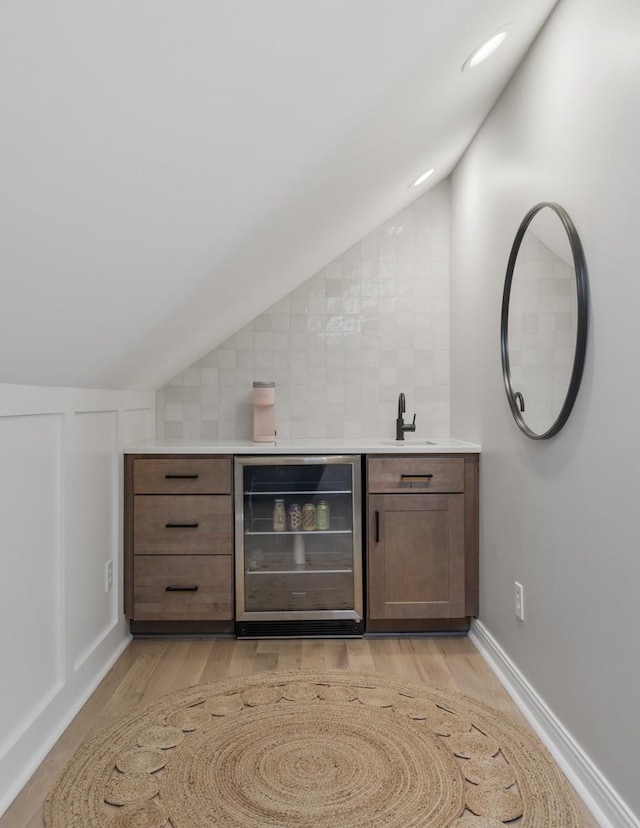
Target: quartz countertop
{"x":345,"y":445}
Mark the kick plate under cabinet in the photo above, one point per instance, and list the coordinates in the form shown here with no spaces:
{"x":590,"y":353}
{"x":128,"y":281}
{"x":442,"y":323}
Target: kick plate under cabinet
{"x":290,"y":580}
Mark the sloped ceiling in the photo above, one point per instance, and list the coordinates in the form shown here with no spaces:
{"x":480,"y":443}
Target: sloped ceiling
{"x":171,"y":168}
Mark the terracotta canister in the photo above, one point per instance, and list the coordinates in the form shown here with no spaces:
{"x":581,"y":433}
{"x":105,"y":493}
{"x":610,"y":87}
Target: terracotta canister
{"x":264,"y":398}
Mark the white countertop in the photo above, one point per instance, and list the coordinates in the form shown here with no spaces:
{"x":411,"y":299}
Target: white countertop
{"x":355,"y":445}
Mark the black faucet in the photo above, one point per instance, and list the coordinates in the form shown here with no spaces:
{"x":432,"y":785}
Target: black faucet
{"x":400,"y":426}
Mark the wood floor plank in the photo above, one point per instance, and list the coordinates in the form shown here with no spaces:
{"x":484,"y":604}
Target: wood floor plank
{"x":313,"y":654}
{"x":143,"y":655}
{"x":286,"y":655}
{"x":243,"y":658}
{"x":336,"y":655}
{"x":431,"y":664}
{"x":359,"y":655}
{"x":174,"y":674}
{"x":474,"y":677}
{"x":150,"y":668}
{"x":217,"y":666}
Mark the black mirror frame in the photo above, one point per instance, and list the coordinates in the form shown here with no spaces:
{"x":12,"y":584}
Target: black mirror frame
{"x":580,"y":267}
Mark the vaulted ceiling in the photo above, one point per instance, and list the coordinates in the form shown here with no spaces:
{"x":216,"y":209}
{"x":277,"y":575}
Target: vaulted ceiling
{"x":171,"y":168}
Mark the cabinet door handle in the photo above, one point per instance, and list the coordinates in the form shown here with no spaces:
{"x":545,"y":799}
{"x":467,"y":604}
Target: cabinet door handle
{"x":181,"y":525}
{"x":377,"y":526}
{"x":181,"y":589}
{"x":181,"y":477}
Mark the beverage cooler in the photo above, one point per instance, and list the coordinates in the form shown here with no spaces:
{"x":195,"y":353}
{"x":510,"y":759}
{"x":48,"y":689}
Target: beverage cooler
{"x":298,"y":546}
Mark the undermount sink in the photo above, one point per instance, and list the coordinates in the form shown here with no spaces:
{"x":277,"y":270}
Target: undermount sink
{"x":407,"y":443}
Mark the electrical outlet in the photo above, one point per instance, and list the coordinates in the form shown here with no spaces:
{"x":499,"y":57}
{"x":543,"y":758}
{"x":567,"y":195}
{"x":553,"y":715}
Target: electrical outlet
{"x":108,"y":576}
{"x":519,"y":600}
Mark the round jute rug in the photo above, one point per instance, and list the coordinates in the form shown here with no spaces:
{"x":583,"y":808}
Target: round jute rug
{"x":307,"y":749}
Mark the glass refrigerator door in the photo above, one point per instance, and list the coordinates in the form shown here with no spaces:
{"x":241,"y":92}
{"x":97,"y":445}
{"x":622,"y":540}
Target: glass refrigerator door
{"x":299,"y":521}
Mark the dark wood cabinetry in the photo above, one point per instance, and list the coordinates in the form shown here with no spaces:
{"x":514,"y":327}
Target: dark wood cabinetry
{"x":421,"y":550}
{"x":422,"y":542}
{"x":178,"y":541}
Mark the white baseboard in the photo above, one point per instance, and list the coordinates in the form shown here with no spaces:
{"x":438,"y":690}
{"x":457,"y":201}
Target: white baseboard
{"x":75,"y":703}
{"x":604,"y":802}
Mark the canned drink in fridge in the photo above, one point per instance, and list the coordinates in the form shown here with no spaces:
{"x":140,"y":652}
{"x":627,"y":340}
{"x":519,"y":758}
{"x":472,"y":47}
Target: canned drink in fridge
{"x":295,"y":517}
{"x":308,"y":517}
{"x":279,"y":516}
{"x":323,"y":520}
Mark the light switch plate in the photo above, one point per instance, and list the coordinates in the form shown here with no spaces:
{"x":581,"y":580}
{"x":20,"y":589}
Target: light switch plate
{"x":519,"y":600}
{"x":108,"y":576}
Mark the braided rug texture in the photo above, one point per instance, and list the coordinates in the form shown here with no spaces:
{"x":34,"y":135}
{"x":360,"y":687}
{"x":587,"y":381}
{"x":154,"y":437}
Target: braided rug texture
{"x":310,"y":749}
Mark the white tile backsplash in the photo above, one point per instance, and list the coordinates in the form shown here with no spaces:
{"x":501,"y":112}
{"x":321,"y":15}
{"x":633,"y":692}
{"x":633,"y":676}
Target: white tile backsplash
{"x":340,"y":347}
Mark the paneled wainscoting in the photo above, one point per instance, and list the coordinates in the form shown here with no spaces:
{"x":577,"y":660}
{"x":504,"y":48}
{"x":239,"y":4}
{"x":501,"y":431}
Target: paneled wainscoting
{"x":61,"y":627}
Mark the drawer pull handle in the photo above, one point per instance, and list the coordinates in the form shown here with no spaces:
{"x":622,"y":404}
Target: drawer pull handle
{"x":181,"y":525}
{"x":377,"y":526}
{"x":298,"y":593}
{"x":181,"y":589}
{"x":181,"y":477}
{"x":415,"y":476}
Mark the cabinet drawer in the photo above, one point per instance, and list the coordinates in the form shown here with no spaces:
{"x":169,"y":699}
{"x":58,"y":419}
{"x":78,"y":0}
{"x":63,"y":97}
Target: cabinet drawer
{"x":273,"y":593}
{"x":183,"y":525}
{"x":182,"y":588}
{"x":177,"y":475}
{"x":415,"y":474}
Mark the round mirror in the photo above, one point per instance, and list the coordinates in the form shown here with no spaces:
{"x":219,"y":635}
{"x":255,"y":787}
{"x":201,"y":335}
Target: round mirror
{"x":544,"y":321}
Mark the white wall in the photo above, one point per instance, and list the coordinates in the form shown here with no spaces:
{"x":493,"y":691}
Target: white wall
{"x":340,"y":347}
{"x":61,"y":519}
{"x":561,"y":516}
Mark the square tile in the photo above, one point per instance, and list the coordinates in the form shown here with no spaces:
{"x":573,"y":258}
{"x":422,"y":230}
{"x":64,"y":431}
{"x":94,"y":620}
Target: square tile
{"x":342,"y":344}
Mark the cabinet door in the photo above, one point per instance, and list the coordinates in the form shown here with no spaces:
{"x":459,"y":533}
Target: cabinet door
{"x":416,"y":556}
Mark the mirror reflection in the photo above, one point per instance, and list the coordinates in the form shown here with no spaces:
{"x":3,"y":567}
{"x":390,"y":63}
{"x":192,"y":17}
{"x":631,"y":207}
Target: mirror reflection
{"x":544,"y":321}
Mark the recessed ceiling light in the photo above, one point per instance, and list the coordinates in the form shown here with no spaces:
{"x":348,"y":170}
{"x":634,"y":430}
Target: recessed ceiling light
{"x":484,"y":51}
{"x":421,"y":178}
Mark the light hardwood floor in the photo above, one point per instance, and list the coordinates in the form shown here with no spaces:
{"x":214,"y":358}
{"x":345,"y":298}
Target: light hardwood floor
{"x":150,"y":668}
